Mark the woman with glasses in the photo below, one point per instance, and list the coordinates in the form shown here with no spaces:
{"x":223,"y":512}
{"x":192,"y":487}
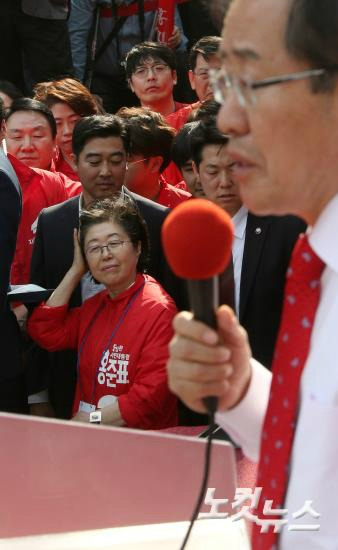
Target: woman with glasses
{"x":122,"y":333}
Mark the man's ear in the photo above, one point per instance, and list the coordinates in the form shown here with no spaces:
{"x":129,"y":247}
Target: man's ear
{"x":3,"y":130}
{"x":155,"y":163}
{"x":174,"y":73}
{"x":192,"y":79}
{"x":130,"y":85}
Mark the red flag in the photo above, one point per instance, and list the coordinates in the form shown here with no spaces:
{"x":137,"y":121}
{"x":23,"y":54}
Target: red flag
{"x":165,"y":20}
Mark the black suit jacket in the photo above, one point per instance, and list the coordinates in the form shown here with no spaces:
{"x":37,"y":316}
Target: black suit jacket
{"x":52,"y":257}
{"x":269,"y":242}
{"x":10,"y":212}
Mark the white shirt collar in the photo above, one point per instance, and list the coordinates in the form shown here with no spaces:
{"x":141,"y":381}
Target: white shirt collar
{"x":323,"y":235}
{"x":239,"y":220}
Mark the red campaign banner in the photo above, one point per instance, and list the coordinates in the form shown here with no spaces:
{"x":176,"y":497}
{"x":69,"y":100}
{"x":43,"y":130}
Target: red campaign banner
{"x":165,"y":20}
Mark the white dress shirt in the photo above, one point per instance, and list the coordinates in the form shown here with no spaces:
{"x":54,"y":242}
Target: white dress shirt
{"x":314,"y":459}
{"x":239,"y":220}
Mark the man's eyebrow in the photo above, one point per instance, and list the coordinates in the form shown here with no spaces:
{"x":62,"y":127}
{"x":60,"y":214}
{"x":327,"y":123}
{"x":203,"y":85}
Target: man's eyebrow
{"x":39,"y":127}
{"x":115,"y":154}
{"x":242,"y":53}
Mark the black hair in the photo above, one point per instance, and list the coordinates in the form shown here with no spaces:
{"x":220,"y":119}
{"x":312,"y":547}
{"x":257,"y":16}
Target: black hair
{"x":149,"y":134}
{"x":98,"y":126}
{"x":312,"y":36}
{"x":2,"y":111}
{"x":9,"y":89}
{"x":206,"y":46}
{"x":123,"y":211}
{"x":145,"y":50}
{"x":207,"y":112}
{"x":203,"y":135}
{"x":181,"y":148}
{"x":28,"y":104}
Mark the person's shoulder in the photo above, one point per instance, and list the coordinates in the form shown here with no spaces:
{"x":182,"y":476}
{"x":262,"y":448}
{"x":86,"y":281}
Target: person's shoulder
{"x":179,"y":117}
{"x":149,"y":209}
{"x":93,"y":303}
{"x":62,"y":209}
{"x":154,"y":295}
{"x":287,"y":224}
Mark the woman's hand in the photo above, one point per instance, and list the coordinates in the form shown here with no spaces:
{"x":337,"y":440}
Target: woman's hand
{"x":79,"y":266}
{"x":175,"y":39}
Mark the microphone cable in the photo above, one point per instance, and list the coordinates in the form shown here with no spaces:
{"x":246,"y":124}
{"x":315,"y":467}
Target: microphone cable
{"x":206,"y":471}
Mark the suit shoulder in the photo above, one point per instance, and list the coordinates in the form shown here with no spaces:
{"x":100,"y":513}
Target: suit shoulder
{"x":279,"y":223}
{"x":61,"y":209}
{"x":150,"y":206}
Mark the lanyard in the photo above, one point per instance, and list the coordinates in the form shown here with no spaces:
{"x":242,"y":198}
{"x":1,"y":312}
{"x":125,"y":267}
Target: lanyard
{"x":115,"y":329}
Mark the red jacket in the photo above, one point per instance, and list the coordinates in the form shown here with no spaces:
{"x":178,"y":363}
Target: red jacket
{"x":40,"y":188}
{"x":171,"y":196}
{"x":180,"y":117}
{"x":134,"y":365}
{"x":61,"y":165}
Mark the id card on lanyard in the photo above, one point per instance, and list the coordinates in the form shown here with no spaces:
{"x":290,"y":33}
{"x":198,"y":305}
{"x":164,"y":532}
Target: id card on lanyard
{"x":90,"y":407}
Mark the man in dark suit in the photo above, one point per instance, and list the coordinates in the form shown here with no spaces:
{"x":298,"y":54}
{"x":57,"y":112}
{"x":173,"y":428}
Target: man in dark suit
{"x":261,"y":248}
{"x":12,"y":387}
{"x":100,"y":145}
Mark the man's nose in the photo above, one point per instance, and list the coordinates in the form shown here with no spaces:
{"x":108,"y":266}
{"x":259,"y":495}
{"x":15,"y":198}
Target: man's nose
{"x":150,"y":73}
{"x":27,"y":142}
{"x":66,"y":128}
{"x":105,"y":168}
{"x":232,"y":118}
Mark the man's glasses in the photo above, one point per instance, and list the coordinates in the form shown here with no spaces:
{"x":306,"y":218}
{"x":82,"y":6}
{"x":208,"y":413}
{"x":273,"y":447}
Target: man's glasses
{"x":133,"y":162}
{"x":157,"y":70}
{"x":111,"y":246}
{"x":223,"y":83}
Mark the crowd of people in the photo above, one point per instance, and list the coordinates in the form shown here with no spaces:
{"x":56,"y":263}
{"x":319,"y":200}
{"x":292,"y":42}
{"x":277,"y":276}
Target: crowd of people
{"x":103,"y":132}
{"x":89,"y":128}
{"x":70,"y":156}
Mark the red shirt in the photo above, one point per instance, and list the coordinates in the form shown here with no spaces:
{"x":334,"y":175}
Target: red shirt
{"x":173,"y":174}
{"x":61,"y":165}
{"x":133,"y":365}
{"x":171,"y":196}
{"x":179,"y":118}
{"x":40,"y":189}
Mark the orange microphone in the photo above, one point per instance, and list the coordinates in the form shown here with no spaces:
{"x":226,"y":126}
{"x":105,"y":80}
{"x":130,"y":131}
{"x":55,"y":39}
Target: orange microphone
{"x":197,"y":240}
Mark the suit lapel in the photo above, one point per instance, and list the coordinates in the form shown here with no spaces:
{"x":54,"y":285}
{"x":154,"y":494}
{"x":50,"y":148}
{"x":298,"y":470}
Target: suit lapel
{"x":255,"y":234}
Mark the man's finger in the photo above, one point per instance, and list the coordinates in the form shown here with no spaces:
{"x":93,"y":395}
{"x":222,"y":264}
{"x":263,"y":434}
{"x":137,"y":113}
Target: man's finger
{"x":194,"y":330}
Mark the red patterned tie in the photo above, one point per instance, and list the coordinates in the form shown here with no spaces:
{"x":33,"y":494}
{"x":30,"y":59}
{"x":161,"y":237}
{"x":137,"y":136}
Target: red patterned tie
{"x":301,"y":299}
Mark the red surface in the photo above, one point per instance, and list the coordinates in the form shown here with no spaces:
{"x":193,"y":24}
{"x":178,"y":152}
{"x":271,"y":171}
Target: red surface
{"x":60,"y":476}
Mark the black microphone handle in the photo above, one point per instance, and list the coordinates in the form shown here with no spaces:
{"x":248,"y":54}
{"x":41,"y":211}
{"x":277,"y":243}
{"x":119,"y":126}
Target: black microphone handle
{"x":204,"y":300}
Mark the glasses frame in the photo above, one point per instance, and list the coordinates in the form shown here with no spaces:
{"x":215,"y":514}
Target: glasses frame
{"x":108,"y":246}
{"x":135,"y":162}
{"x":151,"y":68}
{"x":219,"y":78}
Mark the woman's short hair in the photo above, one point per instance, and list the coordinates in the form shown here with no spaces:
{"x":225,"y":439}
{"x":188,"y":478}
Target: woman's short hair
{"x":69,"y":91}
{"x":123,"y":211}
